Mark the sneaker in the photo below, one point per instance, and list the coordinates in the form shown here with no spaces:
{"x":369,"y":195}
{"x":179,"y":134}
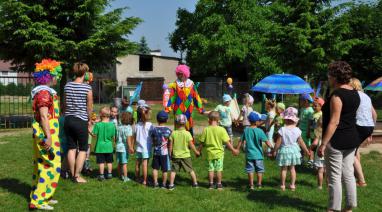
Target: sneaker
{"x":211,"y":186}
{"x":125,"y":179}
{"x":163,"y":186}
{"x":52,"y":202}
{"x":251,"y":187}
{"x":45,"y":207}
{"x":101,"y":177}
{"x":219,"y":187}
{"x":156,"y":185}
{"x":109,"y":176}
{"x":319,"y":187}
{"x":195,"y":185}
{"x":171,"y":187}
{"x":259,"y":186}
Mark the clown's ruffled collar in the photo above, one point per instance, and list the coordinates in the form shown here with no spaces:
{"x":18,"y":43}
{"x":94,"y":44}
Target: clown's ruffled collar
{"x":187,"y":83}
{"x":41,"y":88}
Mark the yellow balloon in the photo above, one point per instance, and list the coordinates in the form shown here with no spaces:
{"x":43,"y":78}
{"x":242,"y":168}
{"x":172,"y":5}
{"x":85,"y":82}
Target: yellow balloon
{"x":229,"y":81}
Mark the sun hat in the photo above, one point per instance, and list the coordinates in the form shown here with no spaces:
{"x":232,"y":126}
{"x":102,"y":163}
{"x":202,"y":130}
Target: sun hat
{"x":162,"y":116}
{"x":306,"y":96}
{"x":183,"y":69}
{"x":142,"y":103}
{"x":255,"y":116}
{"x":226,"y":98}
{"x":250,"y":98}
{"x":281,"y":105}
{"x":290,"y":114}
{"x":320,"y":101}
{"x":181,"y":119}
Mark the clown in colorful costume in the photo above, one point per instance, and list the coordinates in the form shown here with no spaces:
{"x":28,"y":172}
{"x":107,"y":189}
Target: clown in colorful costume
{"x":184,"y":96}
{"x":46,"y":144}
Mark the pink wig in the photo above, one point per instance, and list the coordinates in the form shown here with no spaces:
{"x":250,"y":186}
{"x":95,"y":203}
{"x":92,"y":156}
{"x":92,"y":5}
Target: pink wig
{"x":183,"y":69}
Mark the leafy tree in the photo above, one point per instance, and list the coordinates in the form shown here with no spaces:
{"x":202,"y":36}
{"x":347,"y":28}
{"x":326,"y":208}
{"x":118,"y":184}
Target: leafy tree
{"x":143,"y":47}
{"x":69,"y":31}
{"x":365,"y":21}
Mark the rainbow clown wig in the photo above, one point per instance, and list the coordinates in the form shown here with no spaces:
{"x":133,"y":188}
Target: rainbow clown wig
{"x":46,"y":71}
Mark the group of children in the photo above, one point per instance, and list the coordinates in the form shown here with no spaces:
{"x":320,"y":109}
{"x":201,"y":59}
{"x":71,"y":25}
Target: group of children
{"x":281,"y":129}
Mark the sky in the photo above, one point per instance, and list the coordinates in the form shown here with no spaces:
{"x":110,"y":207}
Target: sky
{"x":159,"y":17}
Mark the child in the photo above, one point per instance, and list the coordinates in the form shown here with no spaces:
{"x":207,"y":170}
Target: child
{"x":124,"y":140}
{"x":270,"y":106}
{"x":306,"y":115}
{"x":160,"y":136}
{"x":114,"y":115}
{"x":214,"y":138}
{"x":246,"y":109}
{"x":225,"y":115}
{"x":93,"y":119}
{"x":278,"y":121}
{"x":253,"y":138}
{"x":104,"y":131}
{"x":135,"y":113}
{"x":143,"y":141}
{"x":180,"y":143}
{"x":317,"y":136}
{"x":287,"y":147}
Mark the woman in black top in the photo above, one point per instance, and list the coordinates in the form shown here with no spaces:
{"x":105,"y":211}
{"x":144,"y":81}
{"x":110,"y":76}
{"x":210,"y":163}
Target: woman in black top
{"x":340,"y":136}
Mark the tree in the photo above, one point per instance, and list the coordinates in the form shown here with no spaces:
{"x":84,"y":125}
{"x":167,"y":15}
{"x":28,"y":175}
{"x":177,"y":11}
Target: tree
{"x":225,"y":37}
{"x":365,"y":21}
{"x":68,"y":31}
{"x":143,"y":47}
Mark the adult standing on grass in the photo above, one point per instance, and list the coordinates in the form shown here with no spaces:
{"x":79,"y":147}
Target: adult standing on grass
{"x":339,"y":136}
{"x":366,"y":120}
{"x":184,"y":96}
{"x":78,"y":109}
{"x":46,"y":145}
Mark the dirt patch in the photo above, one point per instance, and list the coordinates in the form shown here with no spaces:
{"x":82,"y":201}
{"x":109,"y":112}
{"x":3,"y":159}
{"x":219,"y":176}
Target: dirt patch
{"x":10,"y":132}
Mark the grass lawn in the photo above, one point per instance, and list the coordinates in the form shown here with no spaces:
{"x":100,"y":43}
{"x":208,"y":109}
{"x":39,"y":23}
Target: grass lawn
{"x":16,"y":172}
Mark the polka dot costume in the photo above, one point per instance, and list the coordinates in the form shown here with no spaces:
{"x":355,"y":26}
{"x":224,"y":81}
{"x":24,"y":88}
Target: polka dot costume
{"x":47,"y":164}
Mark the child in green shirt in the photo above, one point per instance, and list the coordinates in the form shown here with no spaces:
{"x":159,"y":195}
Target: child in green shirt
{"x":105,"y":132}
{"x":180,"y":143}
{"x":306,"y":116}
{"x":214,"y":138}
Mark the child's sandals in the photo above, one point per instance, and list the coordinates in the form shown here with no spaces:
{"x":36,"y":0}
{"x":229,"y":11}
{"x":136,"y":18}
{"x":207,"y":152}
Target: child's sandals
{"x":282,"y":187}
{"x":292,"y":187}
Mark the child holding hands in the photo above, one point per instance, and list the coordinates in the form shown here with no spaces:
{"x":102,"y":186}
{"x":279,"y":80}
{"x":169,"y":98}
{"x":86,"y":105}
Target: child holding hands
{"x":181,"y":141}
{"x":124,"y":142}
{"x":214,"y":138}
{"x":253,"y":138}
{"x":287,"y":147}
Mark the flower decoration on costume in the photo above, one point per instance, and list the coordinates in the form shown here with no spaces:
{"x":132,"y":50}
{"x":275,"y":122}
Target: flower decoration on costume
{"x":46,"y":70}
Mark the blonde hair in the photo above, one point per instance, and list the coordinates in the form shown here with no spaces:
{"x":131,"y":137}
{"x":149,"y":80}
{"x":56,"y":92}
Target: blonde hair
{"x":356,"y":84}
{"x":214,"y":116}
{"x":105,"y":112}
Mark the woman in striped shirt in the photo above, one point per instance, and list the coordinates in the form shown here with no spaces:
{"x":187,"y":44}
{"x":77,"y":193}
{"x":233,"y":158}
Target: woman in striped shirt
{"x":78,"y":107}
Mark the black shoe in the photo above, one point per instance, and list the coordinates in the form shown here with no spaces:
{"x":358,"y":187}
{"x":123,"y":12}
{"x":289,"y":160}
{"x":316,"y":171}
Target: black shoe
{"x":101,"y":177}
{"x":212,"y":186}
{"x":156,"y":185}
{"x":171,"y":187}
{"x":219,"y":187}
{"x":109,"y":176}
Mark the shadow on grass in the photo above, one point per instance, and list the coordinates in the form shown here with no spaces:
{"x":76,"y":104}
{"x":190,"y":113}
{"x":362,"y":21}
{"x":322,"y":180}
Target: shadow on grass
{"x":16,"y":186}
{"x":274,"y":199}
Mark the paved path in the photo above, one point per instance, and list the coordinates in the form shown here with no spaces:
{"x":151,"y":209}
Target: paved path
{"x":372,"y":147}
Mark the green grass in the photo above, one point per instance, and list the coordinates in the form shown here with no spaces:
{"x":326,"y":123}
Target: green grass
{"x":16,"y":172}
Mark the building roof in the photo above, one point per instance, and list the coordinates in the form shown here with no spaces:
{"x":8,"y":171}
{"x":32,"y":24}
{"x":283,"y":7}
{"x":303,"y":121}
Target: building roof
{"x":5,"y":66}
{"x":163,"y":57}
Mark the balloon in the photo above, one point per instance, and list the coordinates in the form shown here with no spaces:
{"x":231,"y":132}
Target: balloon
{"x":165,"y":86}
{"x":229,"y":81}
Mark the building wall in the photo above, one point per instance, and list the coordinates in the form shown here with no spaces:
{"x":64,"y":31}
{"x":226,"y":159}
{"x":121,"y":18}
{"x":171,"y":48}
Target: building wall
{"x":162,"y":67}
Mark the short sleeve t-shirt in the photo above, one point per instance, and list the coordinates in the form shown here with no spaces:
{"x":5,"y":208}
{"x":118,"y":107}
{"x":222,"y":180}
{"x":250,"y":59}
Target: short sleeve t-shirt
{"x":160,"y":137}
{"x":246,"y":111}
{"x":225,"y":115}
{"x":181,"y":139}
{"x":105,"y":132}
{"x":123,"y":132}
{"x":364,"y":112}
{"x":254,"y":138}
{"x":269,"y":125}
{"x":289,"y":136}
{"x":306,"y":115}
{"x":143,"y":139}
{"x":213,"y":138}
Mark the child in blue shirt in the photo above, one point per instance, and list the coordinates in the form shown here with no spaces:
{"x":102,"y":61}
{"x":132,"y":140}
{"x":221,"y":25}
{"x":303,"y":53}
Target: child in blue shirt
{"x":124,"y":143}
{"x":160,"y":137}
{"x":253,"y":137}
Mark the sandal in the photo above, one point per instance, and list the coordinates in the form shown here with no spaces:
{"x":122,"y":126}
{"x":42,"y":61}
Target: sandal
{"x":361,"y":184}
{"x":78,"y":179}
{"x":292,"y":187}
{"x":282,"y":187}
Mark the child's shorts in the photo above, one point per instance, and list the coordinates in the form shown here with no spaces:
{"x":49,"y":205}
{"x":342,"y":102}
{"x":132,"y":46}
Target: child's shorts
{"x":319,"y":163}
{"x":215,"y":165}
{"x":104,"y":158}
{"x":142,"y":155}
{"x":161,"y":162}
{"x":122,"y":157}
{"x":254,"y":166}
{"x":229,"y":130}
{"x":181,"y":163}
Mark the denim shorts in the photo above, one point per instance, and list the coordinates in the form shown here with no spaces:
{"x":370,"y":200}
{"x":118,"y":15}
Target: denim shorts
{"x":229,"y":130}
{"x":254,"y":166}
{"x":142,"y":155}
{"x":122,"y":157}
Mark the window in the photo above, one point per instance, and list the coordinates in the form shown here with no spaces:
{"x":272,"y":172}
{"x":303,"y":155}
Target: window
{"x":4,"y":73}
{"x":145,"y":63}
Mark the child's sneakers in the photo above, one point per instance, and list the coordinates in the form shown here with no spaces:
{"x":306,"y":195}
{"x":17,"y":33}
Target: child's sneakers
{"x":171,"y":187}
{"x":310,"y":164}
{"x":109,"y":176}
{"x":156,"y":185}
{"x":211,"y":186}
{"x":195,"y":185}
{"x":125,"y":179}
{"x":101,"y":177}
{"x":251,"y":187}
{"x":219,"y":186}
